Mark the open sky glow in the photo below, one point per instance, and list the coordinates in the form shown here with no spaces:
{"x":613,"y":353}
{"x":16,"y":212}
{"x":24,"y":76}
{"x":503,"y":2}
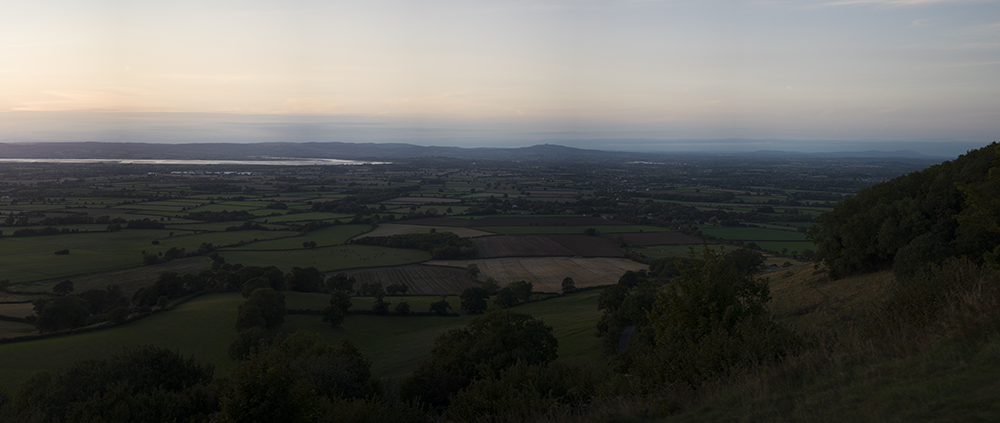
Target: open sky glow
{"x":806,"y":75}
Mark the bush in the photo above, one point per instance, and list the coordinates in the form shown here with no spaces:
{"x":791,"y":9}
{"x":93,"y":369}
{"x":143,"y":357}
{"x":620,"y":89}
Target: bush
{"x":709,"y":320}
{"x":485,"y":347}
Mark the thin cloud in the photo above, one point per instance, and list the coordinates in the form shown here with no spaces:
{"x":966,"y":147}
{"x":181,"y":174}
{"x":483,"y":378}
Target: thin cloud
{"x":878,"y":3}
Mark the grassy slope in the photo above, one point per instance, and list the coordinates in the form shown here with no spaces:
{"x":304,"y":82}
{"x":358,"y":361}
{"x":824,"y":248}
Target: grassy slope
{"x":946,"y":382}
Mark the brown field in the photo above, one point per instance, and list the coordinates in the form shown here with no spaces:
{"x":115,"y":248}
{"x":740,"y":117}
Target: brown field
{"x":547,"y":246}
{"x":547,"y":273}
{"x":439,"y":221}
{"x":521,"y":246}
{"x":389,"y":229}
{"x":423,"y":280}
{"x":658,"y":238}
{"x":17,"y":310}
{"x":554,"y":199}
{"x":588,"y":246}
{"x":544,"y":221}
{"x":421,"y":200}
{"x":555,"y":192}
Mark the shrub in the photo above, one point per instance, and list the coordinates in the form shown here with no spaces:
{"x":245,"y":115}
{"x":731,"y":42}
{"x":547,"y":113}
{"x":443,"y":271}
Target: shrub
{"x":709,"y":320}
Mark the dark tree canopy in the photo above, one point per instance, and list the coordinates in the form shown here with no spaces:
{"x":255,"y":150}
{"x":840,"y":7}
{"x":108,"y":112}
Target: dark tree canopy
{"x":474,"y":300}
{"x":265,"y":308}
{"x":66,"y":312}
{"x":912,"y":218}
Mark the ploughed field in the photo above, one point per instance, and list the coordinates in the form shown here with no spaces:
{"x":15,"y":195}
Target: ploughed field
{"x":547,"y":246}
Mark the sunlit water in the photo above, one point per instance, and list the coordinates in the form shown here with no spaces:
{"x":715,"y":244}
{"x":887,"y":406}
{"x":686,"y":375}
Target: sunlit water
{"x":274,"y":162}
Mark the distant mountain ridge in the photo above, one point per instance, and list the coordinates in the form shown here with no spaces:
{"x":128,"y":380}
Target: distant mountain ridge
{"x":371,"y":151}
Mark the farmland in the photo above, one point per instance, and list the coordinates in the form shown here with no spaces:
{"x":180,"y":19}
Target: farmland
{"x":547,"y":273}
{"x":209,"y":230}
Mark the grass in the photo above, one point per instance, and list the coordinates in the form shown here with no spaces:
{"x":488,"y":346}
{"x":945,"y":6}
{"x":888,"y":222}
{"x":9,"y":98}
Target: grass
{"x":329,"y":258}
{"x":573,"y":318}
{"x":203,"y":328}
{"x":604,"y":229}
{"x":333,"y":235}
{"x":753,"y":234}
{"x":682,"y":251}
{"x":390,"y":229}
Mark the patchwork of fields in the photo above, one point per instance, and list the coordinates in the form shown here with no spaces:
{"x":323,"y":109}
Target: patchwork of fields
{"x":547,"y":273}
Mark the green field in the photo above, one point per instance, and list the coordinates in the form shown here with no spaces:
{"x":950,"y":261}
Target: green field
{"x":605,"y":229}
{"x":753,"y":234}
{"x":327,"y":259}
{"x":333,"y":235}
{"x":681,"y":251}
{"x":302,"y":217}
{"x":204,"y":328}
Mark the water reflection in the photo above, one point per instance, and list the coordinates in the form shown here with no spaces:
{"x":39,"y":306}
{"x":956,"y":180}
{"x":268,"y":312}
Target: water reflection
{"x":270,"y":162}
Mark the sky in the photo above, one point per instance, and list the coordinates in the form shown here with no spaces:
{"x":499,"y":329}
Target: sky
{"x":631,"y":75}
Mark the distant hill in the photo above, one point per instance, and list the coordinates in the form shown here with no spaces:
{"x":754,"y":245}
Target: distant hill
{"x":374,"y":151}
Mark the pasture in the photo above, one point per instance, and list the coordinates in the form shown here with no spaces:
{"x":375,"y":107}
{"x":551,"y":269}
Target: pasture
{"x":204,"y":328}
{"x":568,"y":229}
{"x":332,"y":235}
{"x":752,"y":234}
{"x":390,"y":229}
{"x":328,"y":258}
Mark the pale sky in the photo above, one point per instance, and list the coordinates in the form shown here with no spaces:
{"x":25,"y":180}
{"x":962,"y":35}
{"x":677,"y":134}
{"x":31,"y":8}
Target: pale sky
{"x":807,"y":75}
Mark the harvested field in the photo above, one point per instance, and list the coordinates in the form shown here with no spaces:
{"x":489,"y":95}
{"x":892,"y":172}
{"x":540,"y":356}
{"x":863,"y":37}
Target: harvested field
{"x":658,"y":238}
{"x":17,"y":309}
{"x":421,"y":279}
{"x":389,"y":229}
{"x":547,"y":273}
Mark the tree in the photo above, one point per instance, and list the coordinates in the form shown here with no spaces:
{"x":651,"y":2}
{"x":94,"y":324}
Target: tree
{"x":334,"y":315}
{"x":265,"y":308}
{"x":522,"y":289}
{"x":473,"y":271}
{"x":441,"y":307}
{"x":396,"y":288}
{"x":371,"y":288}
{"x":308,"y":279}
{"x":710,"y":319}
{"x":253,"y":284}
{"x":744,"y":261}
{"x":505,"y":298}
{"x":403,"y":308}
{"x":340,"y":282}
{"x":484,"y":347}
{"x":63,"y":288}
{"x":381,"y":306}
{"x":66,"y":312}
{"x":568,"y":285}
{"x":629,"y":279}
{"x":474,"y":300}
{"x":340,"y":300}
